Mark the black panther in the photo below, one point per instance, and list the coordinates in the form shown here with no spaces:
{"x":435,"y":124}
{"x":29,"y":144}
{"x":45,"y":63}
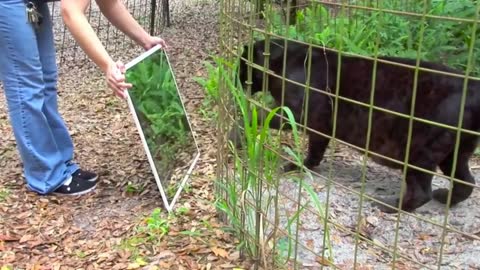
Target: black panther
{"x":438,"y":99}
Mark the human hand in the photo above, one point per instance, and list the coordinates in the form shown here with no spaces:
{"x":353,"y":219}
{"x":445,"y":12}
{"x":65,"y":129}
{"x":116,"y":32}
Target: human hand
{"x":153,"y":41}
{"x":116,"y":79}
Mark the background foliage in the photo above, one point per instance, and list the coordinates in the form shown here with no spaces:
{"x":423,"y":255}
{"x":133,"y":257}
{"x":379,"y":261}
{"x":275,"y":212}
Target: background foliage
{"x":358,"y":31}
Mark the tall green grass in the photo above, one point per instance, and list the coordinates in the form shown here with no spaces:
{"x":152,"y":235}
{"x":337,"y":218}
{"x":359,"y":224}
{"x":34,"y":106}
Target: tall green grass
{"x":210,"y":87}
{"x":252,"y":195}
{"x":248,"y":189}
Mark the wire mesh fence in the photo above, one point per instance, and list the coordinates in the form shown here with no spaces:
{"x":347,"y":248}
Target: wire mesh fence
{"x":348,"y":132}
{"x":153,"y":16}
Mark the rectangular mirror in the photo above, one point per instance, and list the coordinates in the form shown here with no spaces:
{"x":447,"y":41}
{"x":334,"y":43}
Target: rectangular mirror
{"x":162,"y":122}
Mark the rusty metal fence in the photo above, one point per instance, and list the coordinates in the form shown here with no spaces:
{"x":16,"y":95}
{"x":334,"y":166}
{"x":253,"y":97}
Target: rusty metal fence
{"x":379,"y":100}
{"x":153,"y":15}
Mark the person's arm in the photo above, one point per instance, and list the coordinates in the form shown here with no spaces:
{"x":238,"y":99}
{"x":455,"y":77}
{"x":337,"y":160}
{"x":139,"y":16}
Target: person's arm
{"x":116,"y":12}
{"x":73,"y":13}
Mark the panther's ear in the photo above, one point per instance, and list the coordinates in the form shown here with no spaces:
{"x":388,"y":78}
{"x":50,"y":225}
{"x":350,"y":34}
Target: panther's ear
{"x":275,"y":47}
{"x":245,"y":52}
{"x":245,"y":49}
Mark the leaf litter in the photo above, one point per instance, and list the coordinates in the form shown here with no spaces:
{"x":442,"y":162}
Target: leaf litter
{"x":110,"y":228}
{"x":103,"y":230}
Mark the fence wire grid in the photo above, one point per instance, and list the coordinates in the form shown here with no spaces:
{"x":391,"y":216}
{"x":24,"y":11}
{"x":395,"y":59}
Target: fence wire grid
{"x":153,"y":16}
{"x":381,"y":101}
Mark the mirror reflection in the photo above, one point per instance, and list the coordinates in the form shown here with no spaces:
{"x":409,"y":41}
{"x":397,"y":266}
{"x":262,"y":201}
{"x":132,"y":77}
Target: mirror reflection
{"x":162,"y":119}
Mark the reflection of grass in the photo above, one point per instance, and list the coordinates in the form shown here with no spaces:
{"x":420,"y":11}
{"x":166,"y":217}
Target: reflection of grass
{"x":159,"y":109}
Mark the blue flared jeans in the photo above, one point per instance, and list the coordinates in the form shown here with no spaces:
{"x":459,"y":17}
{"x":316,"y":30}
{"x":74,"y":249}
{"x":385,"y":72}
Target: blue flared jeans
{"x":28,"y":71}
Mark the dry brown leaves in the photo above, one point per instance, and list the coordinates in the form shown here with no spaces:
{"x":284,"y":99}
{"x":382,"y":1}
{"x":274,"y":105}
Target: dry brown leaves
{"x":91,"y":232}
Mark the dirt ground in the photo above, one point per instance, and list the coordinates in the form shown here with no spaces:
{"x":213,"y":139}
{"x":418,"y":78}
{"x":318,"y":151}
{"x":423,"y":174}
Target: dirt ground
{"x":419,"y":237}
{"x":100,"y":231}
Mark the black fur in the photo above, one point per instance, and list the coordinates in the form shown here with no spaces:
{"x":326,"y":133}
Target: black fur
{"x":438,"y":99}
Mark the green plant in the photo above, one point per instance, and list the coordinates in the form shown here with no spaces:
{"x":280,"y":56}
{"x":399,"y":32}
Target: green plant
{"x":154,"y":226}
{"x":170,"y":190}
{"x":355,"y":31}
{"x":182,"y":210}
{"x":80,"y":254}
{"x":4,"y":193}
{"x":187,"y":188}
{"x":133,"y":188}
{"x":149,"y":231}
{"x":210,"y":86}
{"x":256,"y":173}
{"x":247,"y":200}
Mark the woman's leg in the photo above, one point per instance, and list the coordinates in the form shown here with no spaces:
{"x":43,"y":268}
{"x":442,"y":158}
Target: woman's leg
{"x":29,"y":80}
{"x":46,"y":48}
